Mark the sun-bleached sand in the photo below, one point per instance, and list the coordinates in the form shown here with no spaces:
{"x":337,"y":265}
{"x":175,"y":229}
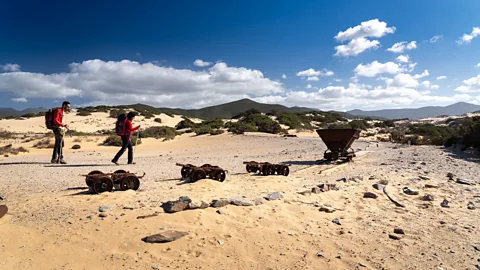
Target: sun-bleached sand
{"x":54,"y":222}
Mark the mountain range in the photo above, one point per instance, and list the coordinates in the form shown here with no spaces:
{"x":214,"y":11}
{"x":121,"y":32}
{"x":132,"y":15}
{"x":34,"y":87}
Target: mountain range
{"x":228,"y":110}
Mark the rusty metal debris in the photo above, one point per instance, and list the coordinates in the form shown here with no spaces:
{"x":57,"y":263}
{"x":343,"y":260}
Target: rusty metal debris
{"x":3,"y":210}
{"x":266,"y":168}
{"x":192,"y":173}
{"x":99,"y":182}
{"x":338,"y":142}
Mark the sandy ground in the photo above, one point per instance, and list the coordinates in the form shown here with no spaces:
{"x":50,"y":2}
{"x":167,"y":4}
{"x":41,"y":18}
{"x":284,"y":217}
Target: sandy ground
{"x":54,"y":222}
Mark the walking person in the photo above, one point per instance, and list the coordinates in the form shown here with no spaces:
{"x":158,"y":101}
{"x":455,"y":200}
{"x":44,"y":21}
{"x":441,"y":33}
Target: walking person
{"x":126,"y":139}
{"x":59,"y":132}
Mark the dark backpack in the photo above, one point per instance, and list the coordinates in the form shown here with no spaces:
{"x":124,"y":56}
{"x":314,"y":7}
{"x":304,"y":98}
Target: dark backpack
{"x":120,"y":124}
{"x":49,"y":115}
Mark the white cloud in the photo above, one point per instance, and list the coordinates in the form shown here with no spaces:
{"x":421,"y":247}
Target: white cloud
{"x":309,"y":86}
{"x":356,"y":47}
{"x":312,"y":72}
{"x":131,"y":82}
{"x":201,"y":63}
{"x":375,"y":68}
{"x":478,"y":65}
{"x":357,"y":37}
{"x":403,"y":58}
{"x":435,"y":86}
{"x":441,"y":77}
{"x":10,"y":67}
{"x":337,"y":80}
{"x":400,"y":47}
{"x":467,"y":38}
{"x":22,"y":99}
{"x":313,"y":78}
{"x":284,"y":76}
{"x":426,"y":84}
{"x":402,"y":80}
{"x":425,"y":73}
{"x":373,"y":28}
{"x":411,"y":66}
{"x":470,"y":85}
{"x":436,"y":38}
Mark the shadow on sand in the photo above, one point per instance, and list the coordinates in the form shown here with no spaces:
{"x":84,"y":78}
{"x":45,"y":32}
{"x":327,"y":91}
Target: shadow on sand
{"x":465,"y":155}
{"x":78,"y":165}
{"x":306,"y":162}
{"x":24,"y":163}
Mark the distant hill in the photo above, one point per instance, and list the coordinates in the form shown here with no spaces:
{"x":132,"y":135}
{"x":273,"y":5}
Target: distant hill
{"x":423,"y":112}
{"x":4,"y":112}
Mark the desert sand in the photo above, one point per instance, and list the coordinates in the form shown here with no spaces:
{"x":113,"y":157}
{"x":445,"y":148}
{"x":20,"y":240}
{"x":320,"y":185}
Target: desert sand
{"x":55,"y":223}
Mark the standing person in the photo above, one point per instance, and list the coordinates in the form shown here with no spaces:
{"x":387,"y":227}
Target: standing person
{"x":126,"y":139}
{"x":59,"y":131}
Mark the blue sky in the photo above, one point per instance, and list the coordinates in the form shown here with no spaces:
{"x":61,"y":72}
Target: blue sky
{"x":122,"y":52}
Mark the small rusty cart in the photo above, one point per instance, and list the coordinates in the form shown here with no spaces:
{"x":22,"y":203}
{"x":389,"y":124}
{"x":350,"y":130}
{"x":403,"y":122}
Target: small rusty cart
{"x":338,"y":142}
{"x":99,"y":182}
{"x":193,"y":173}
{"x":267,"y":168}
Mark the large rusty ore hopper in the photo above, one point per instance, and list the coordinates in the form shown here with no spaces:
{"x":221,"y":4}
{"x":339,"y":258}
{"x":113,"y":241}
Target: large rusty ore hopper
{"x":338,"y":142}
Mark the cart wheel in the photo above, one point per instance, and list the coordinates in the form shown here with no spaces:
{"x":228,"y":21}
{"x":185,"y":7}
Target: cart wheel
{"x":220,"y":176}
{"x":248,"y":168}
{"x":119,"y":171}
{"x":89,"y":180}
{"x":198,"y":175}
{"x":205,"y":165}
{"x":184,"y":172}
{"x":129,"y":182}
{"x":102,"y":184}
{"x":268,"y":169}
{"x":283,"y":170}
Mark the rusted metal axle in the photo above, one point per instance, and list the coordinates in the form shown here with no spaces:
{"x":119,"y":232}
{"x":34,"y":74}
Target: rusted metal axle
{"x":99,"y":182}
{"x":267,"y":168}
{"x":193,"y":173}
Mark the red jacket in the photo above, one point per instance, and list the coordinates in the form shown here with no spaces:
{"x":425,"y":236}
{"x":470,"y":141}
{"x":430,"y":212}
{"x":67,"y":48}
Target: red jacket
{"x":58,"y":118}
{"x":129,"y":127}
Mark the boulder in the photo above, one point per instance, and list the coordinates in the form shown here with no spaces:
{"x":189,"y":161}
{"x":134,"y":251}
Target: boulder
{"x":76,"y":146}
{"x":370,"y":195}
{"x":164,"y":237}
{"x":240,"y":201}
{"x":174,"y":206}
{"x":274,"y":196}
{"x":220,"y":203}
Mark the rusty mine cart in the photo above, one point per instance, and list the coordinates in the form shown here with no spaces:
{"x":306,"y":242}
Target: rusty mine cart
{"x":266,"y":168}
{"x":193,"y":173}
{"x":99,"y":182}
{"x":338,"y":142}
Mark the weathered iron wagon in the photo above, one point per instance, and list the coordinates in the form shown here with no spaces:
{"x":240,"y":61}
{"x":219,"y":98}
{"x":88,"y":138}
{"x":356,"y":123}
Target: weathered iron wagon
{"x":338,"y":142}
{"x":99,"y":182}
{"x":193,"y":173}
{"x":267,"y":168}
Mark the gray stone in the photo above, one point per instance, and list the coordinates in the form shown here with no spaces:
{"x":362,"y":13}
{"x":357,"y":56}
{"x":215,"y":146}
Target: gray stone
{"x":444,"y":203}
{"x":394,"y":237}
{"x":463,"y":181}
{"x":378,"y":186}
{"x":305,"y":192}
{"x":104,"y":208}
{"x":430,"y":186}
{"x":219,"y":211}
{"x":415,"y":180}
{"x":76,"y":147}
{"x":274,"y":196}
{"x":336,"y":221}
{"x":370,"y":195}
{"x":427,"y":197}
{"x":410,"y":191}
{"x":424,"y":178}
{"x":156,"y":267}
{"x":450,"y":176}
{"x":185,"y":199}
{"x":327,"y":209}
{"x":240,"y":201}
{"x":103,"y":215}
{"x":316,"y":190}
{"x":259,"y":201}
{"x":477,"y":247}
{"x":174,"y":206}
{"x":220,"y":203}
{"x":398,"y":230}
{"x":473,"y":205}
{"x":198,"y":205}
{"x":164,"y":237}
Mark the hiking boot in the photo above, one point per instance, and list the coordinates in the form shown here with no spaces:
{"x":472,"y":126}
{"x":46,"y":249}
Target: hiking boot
{"x":54,"y":161}
{"x":63,"y":162}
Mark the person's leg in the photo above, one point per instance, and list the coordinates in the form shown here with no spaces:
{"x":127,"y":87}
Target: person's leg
{"x":130,"y":152}
{"x":122,"y":150}
{"x":56,"y":147}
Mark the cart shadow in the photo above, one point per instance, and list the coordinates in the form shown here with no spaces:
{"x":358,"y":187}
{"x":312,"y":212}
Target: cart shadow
{"x":79,"y":165}
{"x":306,"y":162}
{"x":76,"y":188}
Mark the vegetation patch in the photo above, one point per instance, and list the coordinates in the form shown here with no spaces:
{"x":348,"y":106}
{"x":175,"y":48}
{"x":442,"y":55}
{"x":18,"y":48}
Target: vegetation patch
{"x":9,"y":149}
{"x":115,"y":140}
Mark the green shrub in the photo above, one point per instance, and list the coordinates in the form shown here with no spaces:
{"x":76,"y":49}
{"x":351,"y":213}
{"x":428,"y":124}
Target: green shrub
{"x":4,"y":134}
{"x":83,"y":113}
{"x":202,"y":130}
{"x":217,"y":131}
{"x":115,"y":140}
{"x":29,"y":115}
{"x":240,"y":127}
{"x":186,"y":123}
{"x":157,"y":120}
{"x":159,"y":132}
{"x":389,"y":123}
{"x":380,"y":125}
{"x":44,"y":144}
{"x":339,"y":126}
{"x":115,"y":113}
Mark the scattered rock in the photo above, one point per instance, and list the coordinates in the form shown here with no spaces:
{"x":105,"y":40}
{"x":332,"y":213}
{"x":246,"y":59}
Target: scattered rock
{"x":336,"y":221}
{"x":164,"y":237}
{"x":220,"y":203}
{"x":185,"y":199}
{"x":327,"y":187}
{"x":410,"y":191}
{"x":398,"y":230}
{"x":3,"y":210}
{"x":477,"y":247}
{"x":415,"y":180}
{"x":198,"y":205}
{"x":274,"y":196}
{"x":473,"y":205}
{"x":445,"y":203}
{"x":342,"y":180}
{"x":220,"y":242}
{"x":219,"y":211}
{"x":370,"y":195}
{"x":362,"y":265}
{"x":450,"y":176}
{"x":327,"y":209}
{"x":378,"y":186}
{"x":128,"y":207}
{"x":156,"y":267}
{"x":259,"y":201}
{"x":148,"y":216}
{"x":427,"y":197}
{"x":430,"y":186}
{"x":104,"y":208}
{"x":305,"y":193}
{"x":174,"y":206}
{"x":320,"y":255}
{"x":424,"y":178}
{"x":240,"y":201}
{"x":463,"y":181}
{"x":316,"y":190}
{"x":102,"y":215}
{"x":423,"y":163}
{"x":394,"y":236}
{"x":76,"y":146}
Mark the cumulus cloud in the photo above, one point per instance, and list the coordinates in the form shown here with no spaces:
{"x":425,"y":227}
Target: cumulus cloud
{"x":426,"y":84}
{"x":313,"y":78}
{"x":10,"y":67}
{"x":435,"y":86}
{"x":441,"y":77}
{"x":375,"y":68}
{"x":470,"y":85}
{"x":435,"y":38}
{"x":312,"y":72}
{"x":478,"y":65}
{"x":403,"y":58}
{"x":425,"y":73}
{"x":201,"y":63}
{"x":467,"y":38}
{"x":128,"y":82}
{"x":357,"y":37}
{"x":309,"y":86}
{"x":284,"y":76}
{"x":400,"y":47}
{"x":403,"y":80}
{"x":22,"y":99}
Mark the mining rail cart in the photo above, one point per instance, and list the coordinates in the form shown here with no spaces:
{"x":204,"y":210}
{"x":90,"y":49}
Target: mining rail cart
{"x":193,"y":173}
{"x":99,"y":182}
{"x":338,"y":142}
{"x":267,"y":168}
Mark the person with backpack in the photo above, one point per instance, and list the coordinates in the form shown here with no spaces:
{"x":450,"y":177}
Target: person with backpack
{"x":125,"y":129}
{"x":54,"y":121}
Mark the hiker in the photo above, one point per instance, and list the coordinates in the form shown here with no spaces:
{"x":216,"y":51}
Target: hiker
{"x":126,"y":134}
{"x":59,"y":130}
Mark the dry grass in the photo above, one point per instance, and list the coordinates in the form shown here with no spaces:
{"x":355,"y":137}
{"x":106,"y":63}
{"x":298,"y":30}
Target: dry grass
{"x":44,"y":144}
{"x":9,"y":149}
